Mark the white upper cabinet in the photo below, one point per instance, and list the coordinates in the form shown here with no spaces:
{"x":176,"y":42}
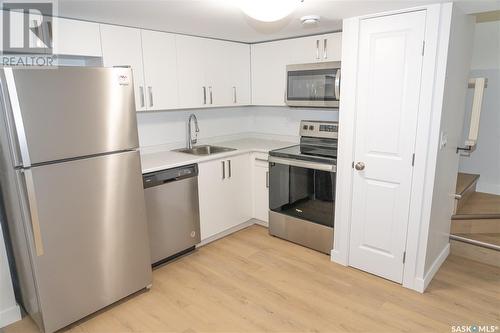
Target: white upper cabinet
{"x":212,"y":72}
{"x":122,"y":46}
{"x":333,"y":50}
{"x":76,"y":38}
{"x":269,"y":61}
{"x":193,"y":92}
{"x":237,"y":63}
{"x":160,"y":70}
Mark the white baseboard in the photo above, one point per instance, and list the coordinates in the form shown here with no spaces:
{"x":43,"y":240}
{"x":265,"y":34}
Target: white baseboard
{"x":262,"y":223}
{"x":10,"y":315}
{"x":227,"y":232}
{"x":337,"y":258}
{"x":422,"y":283}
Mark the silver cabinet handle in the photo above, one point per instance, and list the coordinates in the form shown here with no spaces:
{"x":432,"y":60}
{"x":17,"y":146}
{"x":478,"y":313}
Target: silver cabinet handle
{"x":325,"y":48}
{"x":317,"y":49}
{"x":359,"y":166}
{"x":150,"y":92}
{"x":35,"y":221}
{"x":235,"y":100}
{"x":261,"y":159}
{"x":337,"y":85}
{"x":211,"y":95}
{"x":267,"y":179}
{"x":229,"y":166}
{"x":223,"y":170}
{"x":141,"y":92}
{"x":205,"y":95}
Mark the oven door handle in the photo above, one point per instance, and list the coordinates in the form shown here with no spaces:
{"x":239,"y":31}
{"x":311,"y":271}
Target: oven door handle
{"x":303,"y":164}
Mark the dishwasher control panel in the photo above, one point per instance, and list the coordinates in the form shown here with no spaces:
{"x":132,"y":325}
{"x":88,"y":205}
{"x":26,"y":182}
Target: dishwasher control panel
{"x":165,"y":176}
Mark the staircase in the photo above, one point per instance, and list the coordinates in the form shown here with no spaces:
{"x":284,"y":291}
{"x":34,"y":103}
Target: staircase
{"x":475,"y":225}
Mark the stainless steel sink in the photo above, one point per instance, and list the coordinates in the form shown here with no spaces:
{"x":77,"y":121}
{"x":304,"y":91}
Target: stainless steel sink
{"x":204,"y":150}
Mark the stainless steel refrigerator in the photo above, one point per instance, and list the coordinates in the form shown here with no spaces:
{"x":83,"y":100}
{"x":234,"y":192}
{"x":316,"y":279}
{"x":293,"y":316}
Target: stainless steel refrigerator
{"x":72,"y":190}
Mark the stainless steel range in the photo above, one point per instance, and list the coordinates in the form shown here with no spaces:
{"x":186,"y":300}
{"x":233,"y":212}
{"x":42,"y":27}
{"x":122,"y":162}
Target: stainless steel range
{"x":302,"y":181}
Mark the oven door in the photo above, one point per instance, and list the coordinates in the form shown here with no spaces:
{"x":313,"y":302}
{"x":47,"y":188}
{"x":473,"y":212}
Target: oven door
{"x":313,"y":85}
{"x":304,"y":190}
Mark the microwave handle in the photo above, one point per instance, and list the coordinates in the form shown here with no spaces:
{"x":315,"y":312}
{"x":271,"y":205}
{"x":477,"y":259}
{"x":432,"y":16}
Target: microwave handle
{"x":337,"y":85}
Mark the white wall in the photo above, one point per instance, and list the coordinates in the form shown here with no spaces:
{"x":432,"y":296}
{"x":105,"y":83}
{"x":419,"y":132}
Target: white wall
{"x":450,"y":129}
{"x":158,"y":128}
{"x":485,"y":161}
{"x":9,"y":310}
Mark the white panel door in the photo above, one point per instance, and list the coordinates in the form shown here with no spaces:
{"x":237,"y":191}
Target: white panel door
{"x":388,"y":79}
{"x":122,"y":46}
{"x":160,"y":70}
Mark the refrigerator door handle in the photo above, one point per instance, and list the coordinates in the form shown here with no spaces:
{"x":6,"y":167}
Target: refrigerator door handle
{"x":18,"y":117}
{"x":33,"y":208}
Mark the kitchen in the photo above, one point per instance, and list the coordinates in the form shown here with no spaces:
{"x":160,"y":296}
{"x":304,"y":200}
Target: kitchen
{"x":199,"y":150}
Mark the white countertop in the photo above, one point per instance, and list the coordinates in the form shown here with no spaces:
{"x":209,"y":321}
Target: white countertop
{"x":162,"y":160}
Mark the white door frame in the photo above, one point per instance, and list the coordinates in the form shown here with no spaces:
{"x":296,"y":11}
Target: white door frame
{"x":433,"y":74}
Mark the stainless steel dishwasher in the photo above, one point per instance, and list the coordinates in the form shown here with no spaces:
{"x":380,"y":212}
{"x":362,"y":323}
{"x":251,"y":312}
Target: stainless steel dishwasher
{"x":172,"y":211}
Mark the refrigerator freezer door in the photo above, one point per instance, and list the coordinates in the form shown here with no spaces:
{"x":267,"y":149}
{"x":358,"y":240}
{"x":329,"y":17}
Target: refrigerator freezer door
{"x":71,"y":112}
{"x":92,"y":222}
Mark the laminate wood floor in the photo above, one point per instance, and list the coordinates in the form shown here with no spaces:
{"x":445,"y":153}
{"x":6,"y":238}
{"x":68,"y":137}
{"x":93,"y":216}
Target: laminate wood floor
{"x":252,"y":282}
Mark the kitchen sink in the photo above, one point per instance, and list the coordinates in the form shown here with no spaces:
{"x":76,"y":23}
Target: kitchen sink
{"x":204,"y":150}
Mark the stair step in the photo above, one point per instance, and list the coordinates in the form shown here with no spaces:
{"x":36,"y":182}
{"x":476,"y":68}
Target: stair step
{"x":466,"y":186}
{"x":479,"y":205}
{"x":470,"y":226}
{"x":474,"y":252}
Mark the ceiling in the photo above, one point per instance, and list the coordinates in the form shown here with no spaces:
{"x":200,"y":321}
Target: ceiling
{"x":223,"y":19}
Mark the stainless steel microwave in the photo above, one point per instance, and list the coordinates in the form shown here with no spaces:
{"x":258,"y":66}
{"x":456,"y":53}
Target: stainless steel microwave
{"x":313,"y":85}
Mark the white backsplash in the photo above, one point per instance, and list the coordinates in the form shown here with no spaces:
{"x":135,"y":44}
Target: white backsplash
{"x":169,"y":128}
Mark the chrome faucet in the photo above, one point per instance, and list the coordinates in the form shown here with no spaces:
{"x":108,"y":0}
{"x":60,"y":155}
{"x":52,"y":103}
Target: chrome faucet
{"x":190,"y":140}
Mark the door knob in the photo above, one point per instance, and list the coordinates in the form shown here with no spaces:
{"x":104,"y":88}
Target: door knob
{"x":359,"y":166}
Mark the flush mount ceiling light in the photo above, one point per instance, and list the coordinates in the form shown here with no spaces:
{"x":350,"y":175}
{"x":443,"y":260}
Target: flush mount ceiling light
{"x":310,"y":19}
{"x":268,"y":10}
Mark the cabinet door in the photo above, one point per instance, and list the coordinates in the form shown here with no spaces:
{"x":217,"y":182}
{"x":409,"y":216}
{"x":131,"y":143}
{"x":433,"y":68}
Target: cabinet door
{"x":333,"y":51}
{"x":237,"y":62}
{"x":261,"y":190}
{"x":193,"y":91}
{"x":212,"y":194}
{"x":225,"y":194}
{"x":122,"y":46}
{"x":217,"y":72}
{"x":160,"y":69}
{"x":78,"y":38}
{"x":268,"y":73}
{"x":238,"y":191}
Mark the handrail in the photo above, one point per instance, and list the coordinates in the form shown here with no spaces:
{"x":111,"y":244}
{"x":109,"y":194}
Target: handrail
{"x":475,"y":242}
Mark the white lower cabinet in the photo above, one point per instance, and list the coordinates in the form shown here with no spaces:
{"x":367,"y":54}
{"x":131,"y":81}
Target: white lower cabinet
{"x":260,"y":187}
{"x":225,"y":194}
